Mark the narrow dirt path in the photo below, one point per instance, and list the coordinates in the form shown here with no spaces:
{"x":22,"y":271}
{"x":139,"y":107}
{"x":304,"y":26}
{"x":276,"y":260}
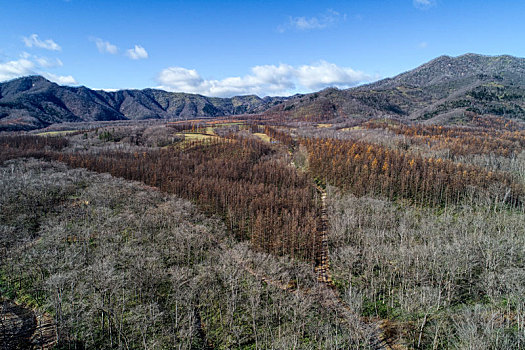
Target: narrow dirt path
{"x":322,"y":265}
{"x":382,"y":337}
{"x":22,"y":328}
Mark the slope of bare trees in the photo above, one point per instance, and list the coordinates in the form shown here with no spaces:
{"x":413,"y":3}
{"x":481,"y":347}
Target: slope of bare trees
{"x":449,"y":279}
{"x":121,"y":265}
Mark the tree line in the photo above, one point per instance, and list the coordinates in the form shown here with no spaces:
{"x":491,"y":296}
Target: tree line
{"x":371,"y":169}
{"x":460,"y":141}
{"x":12,"y":146}
{"x":261,"y":197}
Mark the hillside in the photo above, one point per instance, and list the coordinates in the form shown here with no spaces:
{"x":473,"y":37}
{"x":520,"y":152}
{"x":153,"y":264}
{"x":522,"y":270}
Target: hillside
{"x":33,"y":102}
{"x":438,"y":91}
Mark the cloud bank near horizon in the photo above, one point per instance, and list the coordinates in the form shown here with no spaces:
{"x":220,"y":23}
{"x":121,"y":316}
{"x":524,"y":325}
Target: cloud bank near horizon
{"x":282,"y":79}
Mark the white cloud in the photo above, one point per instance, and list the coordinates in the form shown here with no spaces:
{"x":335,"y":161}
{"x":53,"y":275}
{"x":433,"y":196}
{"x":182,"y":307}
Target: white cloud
{"x":43,"y":62}
{"x":31,"y":65}
{"x":106,"y":89}
{"x":13,"y":69}
{"x":283,"y":79}
{"x":137,"y":53}
{"x":60,"y":79}
{"x":328,"y":74}
{"x":327,"y":19}
{"x":48,"y":63}
{"x":104,"y":46}
{"x":423,"y":45}
{"x":423,"y":4}
{"x":47,"y":44}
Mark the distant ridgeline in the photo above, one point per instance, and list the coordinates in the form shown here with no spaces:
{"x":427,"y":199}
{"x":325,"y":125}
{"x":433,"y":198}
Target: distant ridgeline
{"x":441,"y":91}
{"x":33,"y":102}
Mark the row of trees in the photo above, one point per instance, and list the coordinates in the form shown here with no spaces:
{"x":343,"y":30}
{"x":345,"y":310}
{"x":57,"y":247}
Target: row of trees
{"x":281,"y":136}
{"x":460,"y":140}
{"x":364,"y":168}
{"x":261,"y":197}
{"x":493,"y":122}
{"x":194,"y":126}
{"x":16,"y":145}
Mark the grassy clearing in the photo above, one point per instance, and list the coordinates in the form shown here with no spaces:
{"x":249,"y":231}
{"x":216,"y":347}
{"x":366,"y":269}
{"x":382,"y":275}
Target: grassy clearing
{"x":56,"y":133}
{"x":352,"y":128}
{"x":209,"y":130}
{"x":263,"y":136}
{"x":197,"y":136}
{"x":324,"y":125}
{"x":192,"y":137}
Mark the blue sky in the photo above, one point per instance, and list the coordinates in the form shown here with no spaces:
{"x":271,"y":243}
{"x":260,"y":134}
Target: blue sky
{"x":225,"y":48}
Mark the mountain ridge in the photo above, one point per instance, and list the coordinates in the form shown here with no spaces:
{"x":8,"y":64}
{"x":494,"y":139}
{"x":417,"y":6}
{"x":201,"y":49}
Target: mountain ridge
{"x":34,"y":102}
{"x":439,"y":91}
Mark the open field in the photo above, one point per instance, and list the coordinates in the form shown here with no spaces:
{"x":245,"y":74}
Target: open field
{"x":56,"y":133}
{"x":197,"y":136}
{"x":263,"y":136}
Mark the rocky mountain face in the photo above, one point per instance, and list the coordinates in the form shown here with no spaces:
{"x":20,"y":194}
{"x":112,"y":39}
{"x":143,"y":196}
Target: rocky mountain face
{"x":33,"y":102}
{"x":440,"y":91}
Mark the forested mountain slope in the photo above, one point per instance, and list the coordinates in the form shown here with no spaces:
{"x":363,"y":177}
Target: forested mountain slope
{"x":33,"y":102}
{"x":441,"y":90}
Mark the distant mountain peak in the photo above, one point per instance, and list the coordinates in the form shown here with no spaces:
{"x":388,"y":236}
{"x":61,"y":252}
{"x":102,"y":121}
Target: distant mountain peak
{"x":446,"y":68}
{"x":440,"y":90}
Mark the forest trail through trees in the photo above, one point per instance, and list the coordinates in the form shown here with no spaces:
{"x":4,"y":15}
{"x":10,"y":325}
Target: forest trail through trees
{"x":21,"y":328}
{"x":329,"y":298}
{"x":322,"y":266}
{"x":382,"y":338}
